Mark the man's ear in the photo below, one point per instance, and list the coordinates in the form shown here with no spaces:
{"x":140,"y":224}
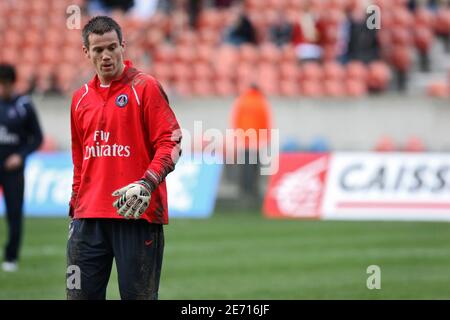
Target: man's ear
{"x":123,"y":45}
{"x":86,"y":52}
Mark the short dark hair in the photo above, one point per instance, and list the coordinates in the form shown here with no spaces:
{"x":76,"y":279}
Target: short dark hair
{"x":100,"y":25}
{"x":7,"y":73}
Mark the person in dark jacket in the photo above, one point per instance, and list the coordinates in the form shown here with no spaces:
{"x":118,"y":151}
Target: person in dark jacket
{"x":20,"y":135}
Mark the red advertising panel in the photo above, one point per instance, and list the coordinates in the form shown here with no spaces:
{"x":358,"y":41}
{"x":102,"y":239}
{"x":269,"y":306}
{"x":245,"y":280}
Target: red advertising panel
{"x":296,"y":190}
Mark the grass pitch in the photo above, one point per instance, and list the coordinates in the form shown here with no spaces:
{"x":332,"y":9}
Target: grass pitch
{"x":245,"y":256}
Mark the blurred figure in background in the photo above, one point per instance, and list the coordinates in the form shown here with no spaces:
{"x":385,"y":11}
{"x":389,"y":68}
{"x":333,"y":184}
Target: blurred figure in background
{"x":363,"y":44}
{"x":306,"y":35}
{"x":242,"y":29}
{"x":280,"y":31}
{"x":20,"y":135}
{"x":252,"y":112}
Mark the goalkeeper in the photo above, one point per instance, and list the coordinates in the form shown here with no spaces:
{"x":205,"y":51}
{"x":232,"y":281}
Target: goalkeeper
{"x":125,"y":140}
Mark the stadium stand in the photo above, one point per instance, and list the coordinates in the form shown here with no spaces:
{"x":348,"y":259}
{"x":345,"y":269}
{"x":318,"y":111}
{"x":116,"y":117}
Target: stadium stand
{"x":187,"y":50}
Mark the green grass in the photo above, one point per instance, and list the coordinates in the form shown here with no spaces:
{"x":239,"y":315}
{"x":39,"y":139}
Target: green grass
{"x":244,"y":256}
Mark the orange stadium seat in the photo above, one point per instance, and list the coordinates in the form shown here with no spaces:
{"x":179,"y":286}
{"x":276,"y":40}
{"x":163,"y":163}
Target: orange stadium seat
{"x":379,"y":76}
{"x":356,"y":70}
{"x":385,"y":144}
{"x":333,"y":71}
{"x":355,"y":88}
{"x":288,"y":53}
{"x":183,"y":88}
{"x":401,"y":57}
{"x":184,"y":53}
{"x":401,"y":36}
{"x":49,"y":144}
{"x":290,"y":71}
{"x":414,"y":144}
{"x":423,"y":17}
{"x":165,"y":52}
{"x":205,"y":53}
{"x":442,"y":21}
{"x":163,"y":70}
{"x":334,"y":88}
{"x":203,"y":88}
{"x":439,"y":89}
{"x":423,"y":38}
{"x":202,"y":71}
{"x":312,"y":71}
{"x":225,"y":88}
{"x":289,"y":88}
{"x":248,"y":53}
{"x":269,"y":52}
{"x":182,"y":71}
{"x":312,"y":88}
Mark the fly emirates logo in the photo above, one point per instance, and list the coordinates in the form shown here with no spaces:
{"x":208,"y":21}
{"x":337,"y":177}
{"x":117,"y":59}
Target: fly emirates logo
{"x":101,"y":148}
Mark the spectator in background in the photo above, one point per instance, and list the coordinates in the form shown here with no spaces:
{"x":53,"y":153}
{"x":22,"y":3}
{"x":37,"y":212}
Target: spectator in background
{"x":194,"y":8}
{"x":280,"y":31}
{"x":242,"y":30}
{"x":222,"y":3}
{"x":105,"y":6}
{"x":251,"y":111}
{"x":20,"y":135}
{"x":306,"y":36}
{"x":144,"y":9}
{"x":363,"y":44}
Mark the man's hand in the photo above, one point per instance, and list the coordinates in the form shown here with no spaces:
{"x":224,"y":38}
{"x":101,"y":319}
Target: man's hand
{"x":133,"y":199}
{"x":13,"y":162}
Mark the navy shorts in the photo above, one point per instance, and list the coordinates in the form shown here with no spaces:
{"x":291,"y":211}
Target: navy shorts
{"x":136,"y":246}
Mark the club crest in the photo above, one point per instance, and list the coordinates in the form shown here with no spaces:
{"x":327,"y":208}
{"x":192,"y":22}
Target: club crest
{"x":121,"y":100}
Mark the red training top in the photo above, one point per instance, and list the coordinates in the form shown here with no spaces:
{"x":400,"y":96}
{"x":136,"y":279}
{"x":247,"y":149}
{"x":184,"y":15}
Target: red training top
{"x":121,"y":134}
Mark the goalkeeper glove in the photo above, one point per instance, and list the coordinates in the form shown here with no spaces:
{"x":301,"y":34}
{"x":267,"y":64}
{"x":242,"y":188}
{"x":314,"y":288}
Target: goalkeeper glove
{"x":133,"y":199}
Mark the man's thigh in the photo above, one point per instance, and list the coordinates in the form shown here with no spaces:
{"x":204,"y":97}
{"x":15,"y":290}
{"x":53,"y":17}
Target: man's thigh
{"x":138,"y":250}
{"x":89,"y":260}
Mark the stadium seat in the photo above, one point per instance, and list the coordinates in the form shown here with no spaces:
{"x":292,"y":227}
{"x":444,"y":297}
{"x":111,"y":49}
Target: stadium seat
{"x":202,"y":71}
{"x":290,"y":71}
{"x":401,"y":57}
{"x":311,"y":88}
{"x":438,"y":89}
{"x":311,"y":71}
{"x":414,"y":144}
{"x":355,"y":88}
{"x":379,"y":76}
{"x":203,"y":88}
{"x":183,"y":88}
{"x":248,"y":53}
{"x":442,"y":21}
{"x":182,"y":71}
{"x":356,"y":70}
{"x":334,"y":88}
{"x":225,"y":88}
{"x":48,"y":145}
{"x":333,"y":70}
{"x":385,"y":144}
{"x":289,"y":88}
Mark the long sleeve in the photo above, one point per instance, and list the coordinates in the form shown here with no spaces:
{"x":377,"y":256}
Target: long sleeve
{"x":34,"y":132}
{"x":164,"y":134}
{"x":77,"y":157}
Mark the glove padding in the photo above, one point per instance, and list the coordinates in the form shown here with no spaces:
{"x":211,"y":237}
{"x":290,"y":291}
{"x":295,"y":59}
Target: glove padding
{"x":133,"y":199}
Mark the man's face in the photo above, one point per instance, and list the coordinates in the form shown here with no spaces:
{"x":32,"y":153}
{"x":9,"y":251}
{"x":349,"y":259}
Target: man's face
{"x":106,"y":53}
{"x":6,"y":89}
